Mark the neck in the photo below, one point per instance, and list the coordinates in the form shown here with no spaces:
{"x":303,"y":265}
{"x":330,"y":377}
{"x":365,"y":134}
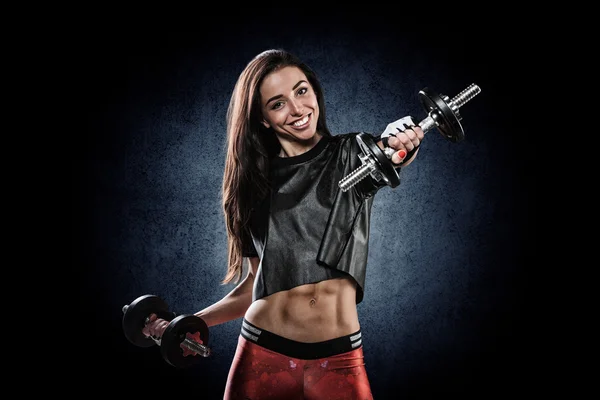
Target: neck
{"x":292,"y":149}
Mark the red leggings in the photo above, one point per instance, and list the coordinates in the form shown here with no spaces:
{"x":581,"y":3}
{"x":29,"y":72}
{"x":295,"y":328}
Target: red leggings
{"x":258,"y":373}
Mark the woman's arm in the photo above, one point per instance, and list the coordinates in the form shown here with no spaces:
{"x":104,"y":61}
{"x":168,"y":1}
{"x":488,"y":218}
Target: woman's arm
{"x":230,"y":307}
{"x":235,"y":303}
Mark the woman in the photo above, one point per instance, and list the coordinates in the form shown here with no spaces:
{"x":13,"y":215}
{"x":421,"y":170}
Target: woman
{"x":305,"y":240}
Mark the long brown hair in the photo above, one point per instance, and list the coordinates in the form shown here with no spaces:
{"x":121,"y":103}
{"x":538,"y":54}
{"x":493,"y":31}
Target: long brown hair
{"x":250,"y":146}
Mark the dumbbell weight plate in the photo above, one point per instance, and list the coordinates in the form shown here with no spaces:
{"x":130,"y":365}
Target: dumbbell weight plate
{"x":447,"y":121}
{"x":175,"y":334}
{"x":368,"y":146}
{"x":135,"y":314}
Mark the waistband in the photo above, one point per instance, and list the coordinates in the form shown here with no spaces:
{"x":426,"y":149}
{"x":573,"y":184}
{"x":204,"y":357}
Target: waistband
{"x":301,"y":350}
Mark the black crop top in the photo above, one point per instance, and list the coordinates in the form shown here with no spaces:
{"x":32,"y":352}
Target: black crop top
{"x":309,"y":230}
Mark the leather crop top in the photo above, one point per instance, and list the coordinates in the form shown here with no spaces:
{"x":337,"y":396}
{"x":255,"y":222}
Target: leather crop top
{"x":309,"y":230}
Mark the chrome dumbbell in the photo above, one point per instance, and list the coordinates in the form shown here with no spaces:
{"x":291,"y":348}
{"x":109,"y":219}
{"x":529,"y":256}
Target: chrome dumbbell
{"x":442,"y":113}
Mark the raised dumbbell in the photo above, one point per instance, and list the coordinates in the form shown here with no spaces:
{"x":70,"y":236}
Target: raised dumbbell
{"x":186,"y":336}
{"x":442,"y":113}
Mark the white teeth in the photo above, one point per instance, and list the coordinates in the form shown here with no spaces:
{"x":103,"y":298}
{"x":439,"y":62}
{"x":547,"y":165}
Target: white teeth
{"x":301,"y":122}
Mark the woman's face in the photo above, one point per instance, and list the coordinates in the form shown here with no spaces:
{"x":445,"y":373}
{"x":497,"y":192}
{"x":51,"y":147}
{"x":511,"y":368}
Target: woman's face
{"x":289,"y":105}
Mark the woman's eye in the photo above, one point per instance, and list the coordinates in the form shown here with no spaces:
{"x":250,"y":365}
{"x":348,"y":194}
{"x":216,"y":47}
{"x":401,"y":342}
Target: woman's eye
{"x":279,"y":104}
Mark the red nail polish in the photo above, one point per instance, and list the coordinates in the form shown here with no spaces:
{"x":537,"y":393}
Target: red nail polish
{"x":402,"y":153}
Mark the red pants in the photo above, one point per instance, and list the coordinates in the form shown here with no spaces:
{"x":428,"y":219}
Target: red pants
{"x":258,"y":373}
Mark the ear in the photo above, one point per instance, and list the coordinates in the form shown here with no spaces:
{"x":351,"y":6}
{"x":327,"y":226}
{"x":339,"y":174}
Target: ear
{"x":265,"y":123}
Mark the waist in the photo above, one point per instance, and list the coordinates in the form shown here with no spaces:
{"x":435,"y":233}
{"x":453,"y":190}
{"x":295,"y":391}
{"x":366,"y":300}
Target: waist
{"x":309,"y":313}
{"x":300,"y":350}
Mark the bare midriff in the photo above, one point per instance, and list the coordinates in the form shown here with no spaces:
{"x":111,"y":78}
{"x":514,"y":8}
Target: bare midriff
{"x":309,"y":313}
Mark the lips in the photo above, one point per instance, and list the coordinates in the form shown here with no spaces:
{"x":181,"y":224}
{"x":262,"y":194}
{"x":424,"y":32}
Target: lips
{"x":302,"y":122}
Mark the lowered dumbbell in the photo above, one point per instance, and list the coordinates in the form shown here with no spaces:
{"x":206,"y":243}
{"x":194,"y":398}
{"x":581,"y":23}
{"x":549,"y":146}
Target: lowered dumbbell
{"x":442,"y":113}
{"x":186,"y":336}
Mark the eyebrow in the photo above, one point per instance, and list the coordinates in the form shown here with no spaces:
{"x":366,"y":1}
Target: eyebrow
{"x":280,"y":95}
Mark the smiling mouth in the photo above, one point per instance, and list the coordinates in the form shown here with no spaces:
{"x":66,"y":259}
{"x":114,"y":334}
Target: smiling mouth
{"x":302,"y":122}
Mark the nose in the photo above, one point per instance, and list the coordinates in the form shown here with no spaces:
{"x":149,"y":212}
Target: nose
{"x":296,"y":107}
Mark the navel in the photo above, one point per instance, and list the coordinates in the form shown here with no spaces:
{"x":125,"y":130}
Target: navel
{"x":312,"y":302}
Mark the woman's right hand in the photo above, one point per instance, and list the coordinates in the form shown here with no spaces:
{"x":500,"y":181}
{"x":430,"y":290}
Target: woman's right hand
{"x":155,"y":326}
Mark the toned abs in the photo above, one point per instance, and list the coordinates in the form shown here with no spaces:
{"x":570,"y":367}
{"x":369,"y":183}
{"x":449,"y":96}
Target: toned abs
{"x":309,"y":313}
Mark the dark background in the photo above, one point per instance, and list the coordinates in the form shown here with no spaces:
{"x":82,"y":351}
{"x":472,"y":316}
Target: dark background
{"x":442,"y":312}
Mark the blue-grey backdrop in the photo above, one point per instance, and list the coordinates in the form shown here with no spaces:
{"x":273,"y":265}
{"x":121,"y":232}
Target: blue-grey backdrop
{"x":448,"y":246}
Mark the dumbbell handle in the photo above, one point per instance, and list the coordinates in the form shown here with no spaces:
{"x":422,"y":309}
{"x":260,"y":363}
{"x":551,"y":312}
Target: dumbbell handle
{"x":196,"y":347}
{"x":191,"y":345}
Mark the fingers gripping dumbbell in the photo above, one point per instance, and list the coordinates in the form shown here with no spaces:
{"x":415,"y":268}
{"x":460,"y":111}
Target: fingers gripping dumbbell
{"x":442,"y":113}
{"x":186,"y":336}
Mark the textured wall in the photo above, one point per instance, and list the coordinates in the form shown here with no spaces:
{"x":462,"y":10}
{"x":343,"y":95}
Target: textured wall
{"x":443,"y":281}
